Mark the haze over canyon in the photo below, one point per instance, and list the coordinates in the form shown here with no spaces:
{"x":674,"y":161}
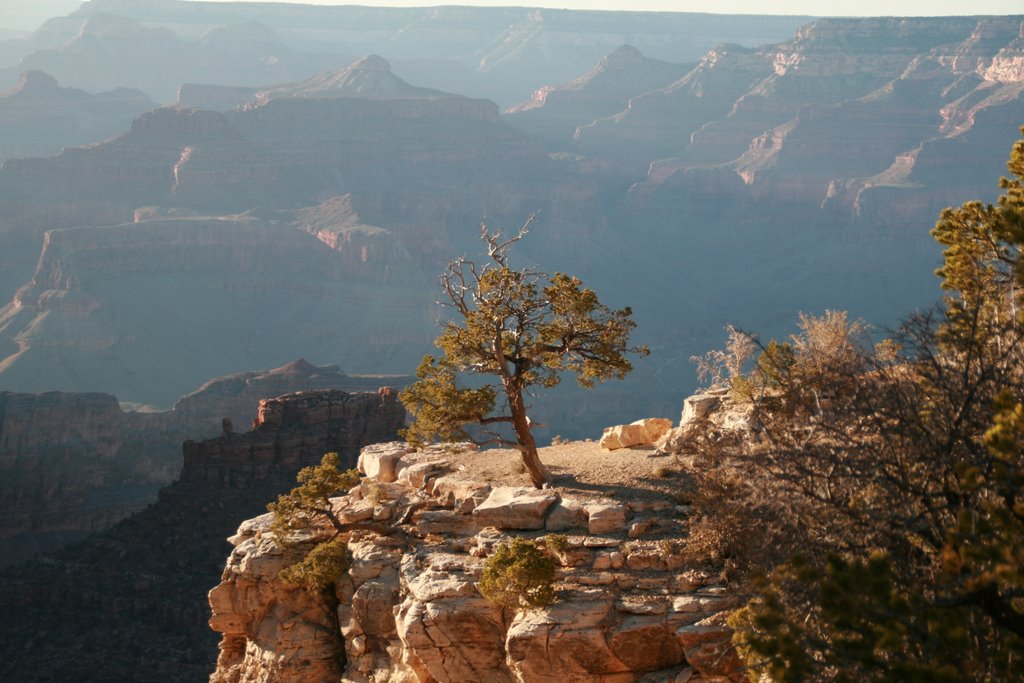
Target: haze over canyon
{"x":206,"y":205}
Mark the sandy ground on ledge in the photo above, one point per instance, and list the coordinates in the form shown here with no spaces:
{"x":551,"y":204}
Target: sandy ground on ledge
{"x":584,"y":469}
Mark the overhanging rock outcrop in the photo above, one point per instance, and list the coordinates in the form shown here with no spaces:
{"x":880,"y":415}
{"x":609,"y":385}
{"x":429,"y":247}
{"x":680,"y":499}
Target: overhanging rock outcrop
{"x":631,"y":607}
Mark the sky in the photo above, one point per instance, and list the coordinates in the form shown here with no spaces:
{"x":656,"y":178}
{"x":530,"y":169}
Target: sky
{"x":802,"y":7}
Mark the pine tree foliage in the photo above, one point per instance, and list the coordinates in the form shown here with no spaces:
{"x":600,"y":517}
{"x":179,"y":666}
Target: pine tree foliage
{"x":888,"y":481}
{"x":519,"y":575}
{"x":306,"y":506}
{"x":522,"y":330}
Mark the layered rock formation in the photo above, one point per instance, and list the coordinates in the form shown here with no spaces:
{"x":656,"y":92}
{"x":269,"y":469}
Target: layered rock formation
{"x":39,"y":118}
{"x":767,"y":180}
{"x":254,"y":289}
{"x":391,"y":189}
{"x":142,"y":583}
{"x":75,"y":464}
{"x":555,"y":112}
{"x":630,"y":606}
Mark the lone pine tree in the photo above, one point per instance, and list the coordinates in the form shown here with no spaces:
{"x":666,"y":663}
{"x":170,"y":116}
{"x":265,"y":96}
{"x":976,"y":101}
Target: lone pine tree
{"x":522,"y":328}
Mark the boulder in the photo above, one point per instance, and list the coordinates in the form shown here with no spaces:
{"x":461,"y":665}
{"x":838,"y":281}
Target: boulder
{"x":380,"y":461}
{"x":417,"y":475}
{"x":514,"y":507}
{"x":621,"y":436}
{"x":462,"y":495}
{"x":643,"y":432}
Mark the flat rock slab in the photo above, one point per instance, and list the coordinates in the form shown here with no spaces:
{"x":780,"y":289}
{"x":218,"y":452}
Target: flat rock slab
{"x":514,"y":507}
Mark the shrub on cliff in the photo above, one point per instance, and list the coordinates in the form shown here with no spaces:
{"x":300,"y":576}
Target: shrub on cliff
{"x":525,"y":329}
{"x":306,"y":506}
{"x":320,"y":567}
{"x":519,"y":574}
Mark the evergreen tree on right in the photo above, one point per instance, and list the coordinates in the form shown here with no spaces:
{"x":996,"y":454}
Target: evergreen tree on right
{"x":889,"y":480}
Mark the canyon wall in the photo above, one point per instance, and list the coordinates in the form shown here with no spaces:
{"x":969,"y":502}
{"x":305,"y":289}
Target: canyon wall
{"x":764,"y":181}
{"x":142,"y":583}
{"x":70,"y":465}
{"x":75,"y":464}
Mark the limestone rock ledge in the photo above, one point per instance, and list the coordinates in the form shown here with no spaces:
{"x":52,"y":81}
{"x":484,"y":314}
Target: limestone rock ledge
{"x":408,"y":610}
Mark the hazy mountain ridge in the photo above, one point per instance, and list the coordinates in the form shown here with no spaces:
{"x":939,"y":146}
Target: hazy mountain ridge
{"x":39,"y":118}
{"x":495,"y":53}
{"x":109,"y":51}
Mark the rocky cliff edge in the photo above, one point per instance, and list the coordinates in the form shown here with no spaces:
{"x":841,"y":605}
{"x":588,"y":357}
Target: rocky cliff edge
{"x":631,"y":605}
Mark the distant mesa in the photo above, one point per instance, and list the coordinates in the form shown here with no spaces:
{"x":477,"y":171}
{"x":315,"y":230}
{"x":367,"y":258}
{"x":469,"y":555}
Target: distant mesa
{"x":369,"y":77}
{"x":111,"y":26}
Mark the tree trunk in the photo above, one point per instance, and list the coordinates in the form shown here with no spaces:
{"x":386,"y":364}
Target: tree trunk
{"x":538,"y":473}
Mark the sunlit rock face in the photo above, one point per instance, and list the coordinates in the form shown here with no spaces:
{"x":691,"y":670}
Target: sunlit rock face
{"x":631,"y":605}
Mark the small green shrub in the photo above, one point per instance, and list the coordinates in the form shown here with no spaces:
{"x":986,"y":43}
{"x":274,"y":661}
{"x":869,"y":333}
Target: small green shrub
{"x":556,"y":543}
{"x":310,"y":502}
{"x":377,"y":494}
{"x":320,"y":568}
{"x":519,"y":575}
{"x":309,"y":505}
